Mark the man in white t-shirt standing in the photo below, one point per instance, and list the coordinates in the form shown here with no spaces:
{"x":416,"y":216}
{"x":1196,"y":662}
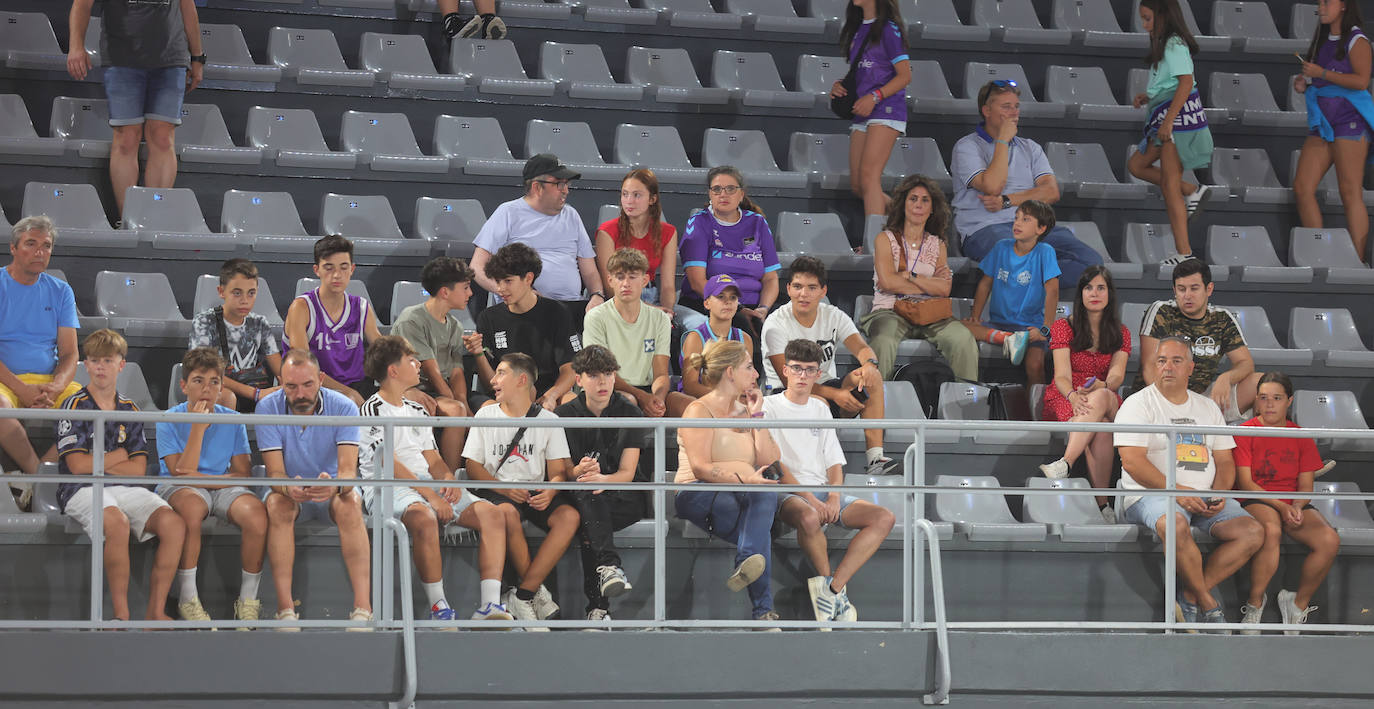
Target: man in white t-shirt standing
{"x":544,"y":220}
{"x":812,"y":456}
{"x":1203,"y":462}
{"x":860,"y":392}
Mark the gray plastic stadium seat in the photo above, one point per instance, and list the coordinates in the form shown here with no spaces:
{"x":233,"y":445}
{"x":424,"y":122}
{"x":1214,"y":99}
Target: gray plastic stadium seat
{"x":174,"y":393}
{"x":229,"y":58}
{"x":1131,"y":316}
{"x":1331,"y":409}
{"x":203,"y":137}
{"x":1082,"y":169}
{"x":1206,"y":43}
{"x":1086,"y":88}
{"x":1095,"y":25}
{"x":1072,"y":518}
{"x":1350,"y":518}
{"x":969,"y":402}
{"x":1331,"y":254}
{"x":1015,"y":22}
{"x":27,"y":41}
{"x":748,"y":150}
{"x":937,"y":21}
{"x":84,"y":123}
{"x":448,"y":219}
{"x":312,"y":57}
{"x":616,"y":12}
{"x":1088,"y":233}
{"x":1328,"y":186}
{"x":573,"y":143}
{"x":752,"y":78}
{"x":17,"y":135}
{"x":581,"y":71}
{"x":892,"y":501}
{"x":73,"y":206}
{"x":89,"y":323}
{"x":1248,"y":96}
{"x":929,"y":92}
{"x":166,"y":209}
{"x":822,"y":156}
{"x":830,"y":10}
{"x":11,"y":519}
{"x":5,"y":224}
{"x":816,"y":233}
{"x":293,"y":138}
{"x":385,"y":143}
{"x":1219,"y":195}
{"x":775,"y":16}
{"x":916,"y":156}
{"x":1248,"y":251}
{"x":668,"y":75}
{"x":816,"y":75}
{"x":873,"y":225}
{"x":359,"y":216}
{"x":140,"y":304}
{"x":695,"y":14}
{"x":1137,"y":79}
{"x":982,"y":518}
{"x":659,"y":148}
{"x":1252,"y":25}
{"x":1303,"y":22}
{"x":978,"y":73}
{"x":402,"y":61}
{"x":1250,"y":173}
{"x":1148,"y":243}
{"x":1331,"y":334}
{"x":1260,"y":339}
{"x":405,"y":294}
{"x":495,"y":67}
{"x":476,"y":145}
{"x":130,"y":383}
{"x":900,"y":401}
{"x":255,"y":213}
{"x":208,"y":297}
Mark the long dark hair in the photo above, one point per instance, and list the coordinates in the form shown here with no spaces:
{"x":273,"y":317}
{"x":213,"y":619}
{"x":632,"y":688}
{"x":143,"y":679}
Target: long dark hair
{"x":645,"y":177}
{"x":1168,"y":21}
{"x":734,"y":173}
{"x":936,"y":223}
{"x":885,"y":11}
{"x":1350,"y":19}
{"x":1108,"y":328}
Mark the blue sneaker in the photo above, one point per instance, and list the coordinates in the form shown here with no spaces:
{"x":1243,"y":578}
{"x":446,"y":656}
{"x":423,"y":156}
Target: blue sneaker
{"x":492,"y":611}
{"x":441,"y":611}
{"x":1185,"y":612}
{"x":1015,"y":346}
{"x":1215,"y":615}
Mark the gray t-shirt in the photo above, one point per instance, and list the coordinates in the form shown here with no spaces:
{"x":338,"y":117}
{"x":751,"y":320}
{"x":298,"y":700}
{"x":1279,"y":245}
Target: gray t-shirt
{"x":560,"y":239}
{"x":1026,"y":164}
{"x":143,"y":34}
{"x":431,"y":339}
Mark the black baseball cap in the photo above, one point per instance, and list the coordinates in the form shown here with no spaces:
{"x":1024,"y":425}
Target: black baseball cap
{"x":548,"y":164}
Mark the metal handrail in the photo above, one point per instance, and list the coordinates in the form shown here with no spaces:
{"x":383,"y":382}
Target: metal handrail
{"x":943,"y":673}
{"x":407,"y":700}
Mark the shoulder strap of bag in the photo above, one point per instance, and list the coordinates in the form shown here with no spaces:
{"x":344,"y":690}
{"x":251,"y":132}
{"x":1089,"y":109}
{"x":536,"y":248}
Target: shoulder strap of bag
{"x":222,"y":331}
{"x":515,"y":441}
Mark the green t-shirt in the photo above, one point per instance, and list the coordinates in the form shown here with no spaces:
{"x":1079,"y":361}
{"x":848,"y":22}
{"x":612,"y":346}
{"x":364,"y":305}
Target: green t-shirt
{"x":431,"y":339}
{"x":1176,"y":62}
{"x":634,"y":344}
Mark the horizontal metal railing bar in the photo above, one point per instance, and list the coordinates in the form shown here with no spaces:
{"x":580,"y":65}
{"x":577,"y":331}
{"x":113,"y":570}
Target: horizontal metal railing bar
{"x":1149,"y":625}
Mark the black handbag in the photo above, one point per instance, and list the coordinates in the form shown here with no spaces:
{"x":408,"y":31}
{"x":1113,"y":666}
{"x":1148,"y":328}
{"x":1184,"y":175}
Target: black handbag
{"x":843,"y":106}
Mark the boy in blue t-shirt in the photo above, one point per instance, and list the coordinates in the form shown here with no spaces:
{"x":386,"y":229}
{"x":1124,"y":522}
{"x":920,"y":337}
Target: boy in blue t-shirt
{"x":1020,"y":286}
{"x":211,"y":450}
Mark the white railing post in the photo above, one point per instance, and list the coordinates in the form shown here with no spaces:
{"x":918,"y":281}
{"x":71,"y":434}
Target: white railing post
{"x":98,"y":524}
{"x":1170,"y":538}
{"x":660,"y":524}
{"x":382,"y":592}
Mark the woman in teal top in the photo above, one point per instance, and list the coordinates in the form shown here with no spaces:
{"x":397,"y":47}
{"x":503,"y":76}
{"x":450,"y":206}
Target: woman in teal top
{"x":1176,"y":132}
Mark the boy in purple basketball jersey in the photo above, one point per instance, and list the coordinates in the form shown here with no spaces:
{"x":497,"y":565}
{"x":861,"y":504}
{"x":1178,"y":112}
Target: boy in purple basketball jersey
{"x":333,"y":324}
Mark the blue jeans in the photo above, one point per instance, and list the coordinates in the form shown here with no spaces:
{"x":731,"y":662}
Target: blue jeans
{"x":139,"y":94}
{"x":744,"y":519}
{"x":1074,"y":255}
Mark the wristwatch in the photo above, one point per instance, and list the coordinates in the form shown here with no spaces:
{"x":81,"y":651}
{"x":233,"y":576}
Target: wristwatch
{"x":1006,"y":202}
{"x":872,"y":361}
{"x":200,"y":58}
{"x":1044,"y":331}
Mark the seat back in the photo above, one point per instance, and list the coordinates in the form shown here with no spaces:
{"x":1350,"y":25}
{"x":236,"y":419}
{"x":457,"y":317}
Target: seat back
{"x":1188,"y":17}
{"x":1080,"y":162}
{"x":653,"y":146}
{"x":745,"y":70}
{"x":816,"y":74}
{"x":14,"y":115}
{"x":571,"y":141}
{"x":661,"y":66}
{"x":124,"y":294}
{"x":247,"y":212}
{"x":768,"y":8}
{"x":1078,"y":84}
{"x":812,"y":232}
{"x":355,"y":287}
{"x":203,"y":124}
{"x":1243,"y":19}
{"x":70,"y":206}
{"x":1148,"y":243}
{"x":831,"y":10}
{"x":562,"y":61}
{"x":970,"y":507}
{"x":1131,"y":316}
{"x":928,"y":79}
{"x":1254,"y":326}
{"x":745,"y":149}
{"x":486,"y":57}
{"x":405,"y":53}
{"x":681,"y":5}
{"x":1240,"y":92}
{"x":292,"y":48}
{"x":1243,"y":167}
{"x":285,"y":129}
{"x":207,"y":296}
{"x":130,"y":383}
{"x":1303,"y":23}
{"x":1241,"y":246}
{"x":377,"y":134}
{"x":824,"y":153}
{"x":1321,"y":248}
{"x":355,"y":216}
{"x":468,"y":137}
{"x":405,"y":294}
{"x":448,"y":219}
{"x":978,"y":73}
{"x":1343,"y":514}
{"x":900,"y":400}
{"x":1089,"y":234}
{"x":172,"y":209}
{"x":80,"y":119}
{"x":916,"y":156}
{"x":1060,"y":509}
{"x":964,"y":401}
{"x":225,"y":45}
{"x":174,"y":393}
{"x":1083,"y":15}
{"x":929,"y":12}
{"x":1005,"y":13}
{"x":1323,"y":329}
{"x":28,"y":32}
{"x":1327,"y":409}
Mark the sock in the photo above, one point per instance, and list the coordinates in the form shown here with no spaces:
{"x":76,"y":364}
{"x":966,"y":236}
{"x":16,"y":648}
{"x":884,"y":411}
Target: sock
{"x":434,"y":592}
{"x":186,"y":584}
{"x":997,"y":337}
{"x":491,"y":591}
{"x":874,"y":454}
{"x":524,"y":595}
{"x":248,"y":586}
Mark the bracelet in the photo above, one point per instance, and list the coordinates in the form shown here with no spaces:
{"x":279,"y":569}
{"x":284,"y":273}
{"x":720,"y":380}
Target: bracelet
{"x":597,"y":293}
{"x":877,"y":95}
{"x":1003,"y":142}
{"x":256,"y":393}
{"x":756,"y":415}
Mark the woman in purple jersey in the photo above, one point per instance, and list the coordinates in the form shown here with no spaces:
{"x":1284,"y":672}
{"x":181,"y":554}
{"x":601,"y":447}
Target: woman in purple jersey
{"x":874,"y":37}
{"x":1335,"y":80}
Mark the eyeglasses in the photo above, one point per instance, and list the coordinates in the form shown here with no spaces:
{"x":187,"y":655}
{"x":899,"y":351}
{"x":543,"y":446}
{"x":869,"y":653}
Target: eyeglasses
{"x":724,"y":189}
{"x":1004,"y":83}
{"x":556,"y":184}
{"x":801,"y":371}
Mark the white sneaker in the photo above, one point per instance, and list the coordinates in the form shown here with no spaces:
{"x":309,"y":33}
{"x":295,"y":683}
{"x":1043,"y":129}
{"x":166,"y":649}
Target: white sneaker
{"x":1108,"y":514}
{"x":288,"y":615}
{"x":746,"y":573}
{"x":769,"y":616}
{"x":1290,"y":611}
{"x":1326,"y":468}
{"x":544,"y":607}
{"x":522,"y":610}
{"x":822,"y":598}
{"x":247,"y":610}
{"x":612,"y":581}
{"x":1250,"y":615}
{"x":1175,"y":259}
{"x":492,"y":611}
{"x":598,"y":614}
{"x":1057,"y":470}
{"x":1014,"y":347}
{"x":1195,"y":200}
{"x":361,"y":615}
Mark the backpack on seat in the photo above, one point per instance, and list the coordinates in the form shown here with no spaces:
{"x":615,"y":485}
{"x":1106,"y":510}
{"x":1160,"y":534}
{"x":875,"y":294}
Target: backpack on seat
{"x":926,"y":376}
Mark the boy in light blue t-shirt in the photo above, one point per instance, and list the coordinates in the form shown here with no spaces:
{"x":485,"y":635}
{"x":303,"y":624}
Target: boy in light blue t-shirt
{"x":1020,"y":286}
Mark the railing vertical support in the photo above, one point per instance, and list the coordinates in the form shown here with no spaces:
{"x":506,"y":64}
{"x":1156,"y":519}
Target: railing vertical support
{"x":1170,"y":539}
{"x":394,"y":527}
{"x":382,"y":592}
{"x":660,"y":525}
{"x":943,"y":673}
{"x":97,"y":524}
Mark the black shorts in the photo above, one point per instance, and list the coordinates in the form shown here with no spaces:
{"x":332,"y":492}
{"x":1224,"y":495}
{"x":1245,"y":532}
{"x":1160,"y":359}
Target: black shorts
{"x":835,"y":409}
{"x":538,"y":518}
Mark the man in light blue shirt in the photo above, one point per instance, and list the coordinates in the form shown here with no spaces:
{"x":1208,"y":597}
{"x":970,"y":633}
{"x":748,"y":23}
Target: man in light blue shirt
{"x":305,"y":451}
{"x":994,"y":171}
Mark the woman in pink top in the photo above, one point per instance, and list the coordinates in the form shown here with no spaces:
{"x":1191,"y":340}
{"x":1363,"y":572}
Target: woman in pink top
{"x":640,"y":226}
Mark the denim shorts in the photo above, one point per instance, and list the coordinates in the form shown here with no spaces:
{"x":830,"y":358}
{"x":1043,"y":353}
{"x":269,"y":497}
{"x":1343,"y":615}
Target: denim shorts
{"x":1147,"y":510}
{"x":845,"y":502}
{"x":899,"y":126}
{"x":136,"y":95}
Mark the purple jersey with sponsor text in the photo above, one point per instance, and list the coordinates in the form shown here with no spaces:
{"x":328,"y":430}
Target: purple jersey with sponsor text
{"x":877,"y":67}
{"x":1346,"y":121}
{"x":338,"y":344}
{"x":743,"y":250}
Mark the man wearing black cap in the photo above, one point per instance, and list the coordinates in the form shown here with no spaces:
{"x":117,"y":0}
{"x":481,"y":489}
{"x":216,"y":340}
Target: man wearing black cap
{"x":544,"y":221}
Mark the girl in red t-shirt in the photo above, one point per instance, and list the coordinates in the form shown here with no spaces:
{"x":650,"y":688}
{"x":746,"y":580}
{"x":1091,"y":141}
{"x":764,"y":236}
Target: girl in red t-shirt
{"x":640,"y":226}
{"x":1090,"y":350}
{"x":1282,"y":465}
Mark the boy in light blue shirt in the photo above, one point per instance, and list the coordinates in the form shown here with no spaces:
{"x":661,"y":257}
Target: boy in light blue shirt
{"x":1020,"y":286}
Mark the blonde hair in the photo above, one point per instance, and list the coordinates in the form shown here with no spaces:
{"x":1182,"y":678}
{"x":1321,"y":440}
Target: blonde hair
{"x":715,"y":358}
{"x":105,"y":343}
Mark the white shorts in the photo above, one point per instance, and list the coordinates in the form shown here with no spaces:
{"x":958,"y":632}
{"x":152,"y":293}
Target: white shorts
{"x":218,"y":501}
{"x":404,"y":497}
{"x":899,"y":126}
{"x":137,"y":504}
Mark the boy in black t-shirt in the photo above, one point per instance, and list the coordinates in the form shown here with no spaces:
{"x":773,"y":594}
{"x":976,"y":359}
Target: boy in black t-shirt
{"x":603,"y":455}
{"x":525,"y":322}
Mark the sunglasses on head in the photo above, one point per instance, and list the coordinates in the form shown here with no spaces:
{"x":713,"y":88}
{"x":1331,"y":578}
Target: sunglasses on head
{"x":1004,"y":83}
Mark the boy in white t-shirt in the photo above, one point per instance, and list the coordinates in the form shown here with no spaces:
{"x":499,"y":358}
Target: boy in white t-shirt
{"x":392,"y":362}
{"x":812,"y":456}
{"x":860,"y":392}
{"x":517,"y":454}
